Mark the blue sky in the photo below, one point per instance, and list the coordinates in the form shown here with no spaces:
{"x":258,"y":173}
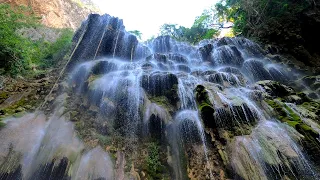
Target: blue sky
{"x":148,"y":15}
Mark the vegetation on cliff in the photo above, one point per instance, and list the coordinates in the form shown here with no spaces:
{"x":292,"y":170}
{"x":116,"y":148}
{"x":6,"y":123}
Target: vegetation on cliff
{"x":290,"y":25}
{"x":250,"y":17}
{"x":20,"y":54}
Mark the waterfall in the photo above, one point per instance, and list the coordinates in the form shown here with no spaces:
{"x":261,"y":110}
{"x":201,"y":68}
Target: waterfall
{"x":172,"y":110}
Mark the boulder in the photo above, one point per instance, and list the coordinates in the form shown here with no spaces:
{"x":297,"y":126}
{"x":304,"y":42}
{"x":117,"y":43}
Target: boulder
{"x":275,"y":89}
{"x":161,"y":84}
{"x":205,"y":107}
{"x":103,"y":35}
{"x":255,"y":69}
{"x":235,"y":116}
{"x":178,"y":58}
{"x":103,"y":67}
{"x":206,"y":52}
{"x":227,"y":55}
{"x":184,"y":68}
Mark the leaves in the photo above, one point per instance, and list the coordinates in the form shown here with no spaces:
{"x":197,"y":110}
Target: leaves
{"x":249,"y":16}
{"x":202,"y":28}
{"x":154,"y":166}
{"x":19,"y":54}
{"x":136,"y":33}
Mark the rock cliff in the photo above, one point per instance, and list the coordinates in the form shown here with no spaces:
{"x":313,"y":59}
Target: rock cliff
{"x":58,"y":13}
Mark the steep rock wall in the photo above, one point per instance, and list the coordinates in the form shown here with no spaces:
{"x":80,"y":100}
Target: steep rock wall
{"x":57,"y":13}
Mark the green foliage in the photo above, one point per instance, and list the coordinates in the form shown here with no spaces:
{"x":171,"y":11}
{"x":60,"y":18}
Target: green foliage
{"x":136,"y":33}
{"x":202,"y":28}
{"x":15,"y":57}
{"x":18,"y":54}
{"x":53,"y":52}
{"x":154,"y":166}
{"x":249,"y":16}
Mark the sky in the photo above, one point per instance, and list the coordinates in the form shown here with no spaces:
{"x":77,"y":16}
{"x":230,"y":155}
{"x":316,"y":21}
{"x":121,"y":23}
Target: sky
{"x":148,"y":15}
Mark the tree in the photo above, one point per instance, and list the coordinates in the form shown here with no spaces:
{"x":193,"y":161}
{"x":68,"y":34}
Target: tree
{"x":202,"y":28}
{"x":14,"y":57}
{"x":250,"y":15}
{"x":136,"y":33}
{"x":21,"y":55}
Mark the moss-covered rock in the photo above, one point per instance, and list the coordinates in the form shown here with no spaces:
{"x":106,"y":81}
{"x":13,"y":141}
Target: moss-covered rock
{"x":205,"y":107}
{"x":286,"y":115}
{"x":161,"y":84}
{"x":309,"y":80}
{"x":3,"y":96}
{"x":275,"y":89}
{"x":103,"y":67}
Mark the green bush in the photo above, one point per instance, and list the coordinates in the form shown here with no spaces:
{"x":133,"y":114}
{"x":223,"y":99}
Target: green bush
{"x":20,"y":55}
{"x":55,"y":51}
{"x":250,"y":16}
{"x":202,"y":28}
{"x":154,"y":166}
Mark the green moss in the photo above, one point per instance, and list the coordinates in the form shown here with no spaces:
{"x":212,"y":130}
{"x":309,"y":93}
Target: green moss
{"x":303,"y":96}
{"x":293,"y":115}
{"x":204,"y":105}
{"x":287,"y":115}
{"x":4,"y":95}
{"x":91,"y":79}
{"x":315,"y":85}
{"x":223,"y":157}
{"x":202,"y":97}
{"x":309,"y":130}
{"x":278,"y":108}
{"x":2,"y":124}
{"x":311,"y":106}
{"x":104,"y":140}
{"x":292,"y":123}
{"x":15,"y":108}
{"x":161,"y":100}
{"x":19,"y":114}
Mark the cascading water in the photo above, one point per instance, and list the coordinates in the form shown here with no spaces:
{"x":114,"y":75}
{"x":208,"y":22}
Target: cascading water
{"x":140,"y":109}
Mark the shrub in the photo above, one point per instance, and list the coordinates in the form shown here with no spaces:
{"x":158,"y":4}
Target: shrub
{"x":154,"y":166}
{"x":19,"y":54}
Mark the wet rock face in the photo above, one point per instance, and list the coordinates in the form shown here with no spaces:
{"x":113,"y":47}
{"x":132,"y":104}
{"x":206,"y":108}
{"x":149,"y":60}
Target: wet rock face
{"x":105,"y":36}
{"x":103,"y":67}
{"x":54,"y":170}
{"x":190,"y":133}
{"x":156,"y":127}
{"x":184,"y":68}
{"x":225,"y":79}
{"x":161,"y":58}
{"x":296,"y":110}
{"x":230,"y":70}
{"x":206,"y":52}
{"x":227,"y":55}
{"x":178,"y":58}
{"x":256,"y":70}
{"x":159,"y":83}
{"x":277,"y":75}
{"x":205,"y":107}
{"x":235,"y":116}
{"x":276,"y":89}
{"x":162,"y":44}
